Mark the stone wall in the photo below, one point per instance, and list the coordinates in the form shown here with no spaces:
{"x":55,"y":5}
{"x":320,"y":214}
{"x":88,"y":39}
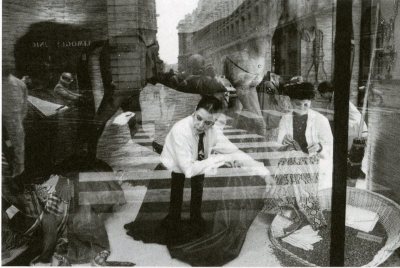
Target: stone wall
{"x":132,"y":26}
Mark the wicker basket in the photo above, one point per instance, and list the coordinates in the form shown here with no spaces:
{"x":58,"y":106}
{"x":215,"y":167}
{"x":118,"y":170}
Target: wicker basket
{"x":389,"y":217}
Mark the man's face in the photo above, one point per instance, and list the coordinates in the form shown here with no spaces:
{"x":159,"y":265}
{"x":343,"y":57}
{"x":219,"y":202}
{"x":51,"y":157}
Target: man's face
{"x":301,"y":106}
{"x":203,"y":120}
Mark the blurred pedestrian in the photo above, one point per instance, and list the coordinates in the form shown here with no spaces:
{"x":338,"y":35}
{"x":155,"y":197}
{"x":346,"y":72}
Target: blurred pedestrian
{"x":14,"y":103}
{"x":63,"y":91}
{"x":326,"y":90}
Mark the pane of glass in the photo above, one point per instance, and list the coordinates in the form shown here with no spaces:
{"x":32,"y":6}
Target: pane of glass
{"x":103,"y":113}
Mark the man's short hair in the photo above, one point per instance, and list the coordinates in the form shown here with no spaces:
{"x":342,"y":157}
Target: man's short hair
{"x":210,"y":103}
{"x":325,"y":87}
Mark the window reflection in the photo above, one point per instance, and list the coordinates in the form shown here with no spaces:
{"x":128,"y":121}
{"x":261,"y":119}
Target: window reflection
{"x":113,"y":157}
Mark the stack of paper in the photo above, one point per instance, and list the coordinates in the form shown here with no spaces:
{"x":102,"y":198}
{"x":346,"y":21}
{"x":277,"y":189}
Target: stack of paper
{"x":281,"y":223}
{"x":303,"y":238}
{"x":361,"y":219}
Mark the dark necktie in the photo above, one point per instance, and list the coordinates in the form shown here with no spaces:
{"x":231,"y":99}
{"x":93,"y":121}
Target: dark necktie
{"x":200,"y":155}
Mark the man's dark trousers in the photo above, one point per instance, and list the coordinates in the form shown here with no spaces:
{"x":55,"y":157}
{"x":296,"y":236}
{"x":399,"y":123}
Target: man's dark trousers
{"x":176,"y":200}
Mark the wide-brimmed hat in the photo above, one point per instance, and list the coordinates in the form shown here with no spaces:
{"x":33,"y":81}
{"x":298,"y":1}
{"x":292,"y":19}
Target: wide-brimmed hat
{"x":300,"y":91}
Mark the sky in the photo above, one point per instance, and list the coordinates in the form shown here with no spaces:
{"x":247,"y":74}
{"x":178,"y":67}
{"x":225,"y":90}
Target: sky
{"x":170,"y":12}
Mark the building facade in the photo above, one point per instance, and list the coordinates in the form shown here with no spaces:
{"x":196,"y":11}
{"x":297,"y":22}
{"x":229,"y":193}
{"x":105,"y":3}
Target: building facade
{"x":287,"y":37}
{"x":45,"y":38}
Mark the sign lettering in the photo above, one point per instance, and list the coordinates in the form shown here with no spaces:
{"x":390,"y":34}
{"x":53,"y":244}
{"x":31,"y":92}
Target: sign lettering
{"x":62,"y":44}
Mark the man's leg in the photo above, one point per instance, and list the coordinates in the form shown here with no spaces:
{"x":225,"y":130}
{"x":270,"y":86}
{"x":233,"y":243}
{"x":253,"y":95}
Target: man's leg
{"x":176,"y":199}
{"x":172,"y":223}
{"x":196,"y":199}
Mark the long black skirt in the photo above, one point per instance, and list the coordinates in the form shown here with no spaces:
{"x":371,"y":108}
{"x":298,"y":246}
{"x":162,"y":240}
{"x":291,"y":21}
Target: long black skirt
{"x":230,"y":205}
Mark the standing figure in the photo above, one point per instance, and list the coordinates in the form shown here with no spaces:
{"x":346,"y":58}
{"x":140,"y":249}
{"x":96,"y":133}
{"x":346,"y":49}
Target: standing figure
{"x":326,"y":90}
{"x":14,"y":103}
{"x":116,"y":96}
{"x":69,"y":121}
{"x":242,"y":72}
{"x":272,"y":102}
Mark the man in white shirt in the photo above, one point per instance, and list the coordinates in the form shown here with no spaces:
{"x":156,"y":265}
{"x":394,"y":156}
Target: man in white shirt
{"x":189,"y":152}
{"x":186,"y":92}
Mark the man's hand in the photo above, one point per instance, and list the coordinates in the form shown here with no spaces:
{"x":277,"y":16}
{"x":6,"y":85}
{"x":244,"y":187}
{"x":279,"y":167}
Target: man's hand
{"x":234,"y":164}
{"x":217,"y":160}
{"x":213,"y":163}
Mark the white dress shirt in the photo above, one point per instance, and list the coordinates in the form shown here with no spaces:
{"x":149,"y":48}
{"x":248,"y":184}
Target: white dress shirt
{"x":181,"y":150}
